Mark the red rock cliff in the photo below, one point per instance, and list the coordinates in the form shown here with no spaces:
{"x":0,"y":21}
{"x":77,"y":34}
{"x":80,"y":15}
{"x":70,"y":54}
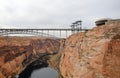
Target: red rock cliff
{"x":95,"y":55}
{"x":18,"y":52}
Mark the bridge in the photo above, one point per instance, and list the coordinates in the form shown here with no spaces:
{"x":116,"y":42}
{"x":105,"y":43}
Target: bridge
{"x":54,"y":33}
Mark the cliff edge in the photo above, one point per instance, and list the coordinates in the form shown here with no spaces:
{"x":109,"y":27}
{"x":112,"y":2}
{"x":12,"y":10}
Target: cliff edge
{"x":92,"y":54}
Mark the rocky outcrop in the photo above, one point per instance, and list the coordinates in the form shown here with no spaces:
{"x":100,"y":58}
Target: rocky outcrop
{"x":92,"y":54}
{"x":18,"y":52}
{"x":54,"y":61}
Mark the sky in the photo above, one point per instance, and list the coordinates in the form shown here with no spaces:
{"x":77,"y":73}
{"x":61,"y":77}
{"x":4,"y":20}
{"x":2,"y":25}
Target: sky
{"x":55,"y":13}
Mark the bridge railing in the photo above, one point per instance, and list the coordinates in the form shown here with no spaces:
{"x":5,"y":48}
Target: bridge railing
{"x":6,"y":32}
{"x":38,"y":32}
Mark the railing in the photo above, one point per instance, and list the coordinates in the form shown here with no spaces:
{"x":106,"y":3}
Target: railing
{"x":38,"y":32}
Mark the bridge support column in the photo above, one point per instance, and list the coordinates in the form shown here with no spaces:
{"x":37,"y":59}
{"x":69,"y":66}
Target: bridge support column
{"x":37,"y":32}
{"x":42,"y":32}
{"x":60,"y":33}
{"x":54,"y":33}
{"x":48,"y":33}
{"x":66,"y":33}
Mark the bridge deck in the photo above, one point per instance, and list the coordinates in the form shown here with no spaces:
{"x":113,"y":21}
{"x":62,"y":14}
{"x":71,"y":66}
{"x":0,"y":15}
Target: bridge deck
{"x":52,"y":29}
{"x":39,"y":31}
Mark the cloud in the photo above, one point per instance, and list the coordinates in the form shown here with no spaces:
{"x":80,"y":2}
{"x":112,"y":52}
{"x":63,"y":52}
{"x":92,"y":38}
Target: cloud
{"x":39,"y":13}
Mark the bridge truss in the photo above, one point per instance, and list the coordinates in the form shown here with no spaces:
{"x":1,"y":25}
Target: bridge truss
{"x":39,"y":32}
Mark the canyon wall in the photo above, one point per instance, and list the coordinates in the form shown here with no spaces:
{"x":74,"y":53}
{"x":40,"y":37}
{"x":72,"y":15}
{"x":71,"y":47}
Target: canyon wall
{"x":18,"y":52}
{"x":92,"y":54}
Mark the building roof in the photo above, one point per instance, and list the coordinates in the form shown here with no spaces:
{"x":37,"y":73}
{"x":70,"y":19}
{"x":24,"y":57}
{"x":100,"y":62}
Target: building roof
{"x":104,"y":19}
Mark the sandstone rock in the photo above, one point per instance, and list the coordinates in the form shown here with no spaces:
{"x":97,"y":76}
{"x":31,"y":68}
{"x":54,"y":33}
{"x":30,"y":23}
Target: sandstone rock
{"x":18,"y":52}
{"x":95,"y":55}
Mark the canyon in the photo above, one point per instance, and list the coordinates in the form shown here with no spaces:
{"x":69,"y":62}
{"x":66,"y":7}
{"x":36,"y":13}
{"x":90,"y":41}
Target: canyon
{"x":89,"y":54}
{"x":16,"y":53}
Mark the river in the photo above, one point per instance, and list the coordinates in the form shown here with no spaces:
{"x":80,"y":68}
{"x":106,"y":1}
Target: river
{"x":44,"y":73}
{"x":38,"y":69}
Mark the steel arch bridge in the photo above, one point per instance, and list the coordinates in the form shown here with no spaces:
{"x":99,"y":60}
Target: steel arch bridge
{"x":37,"y":32}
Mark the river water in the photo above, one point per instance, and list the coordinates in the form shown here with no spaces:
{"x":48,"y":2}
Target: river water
{"x":44,"y":73}
{"x":38,"y":69}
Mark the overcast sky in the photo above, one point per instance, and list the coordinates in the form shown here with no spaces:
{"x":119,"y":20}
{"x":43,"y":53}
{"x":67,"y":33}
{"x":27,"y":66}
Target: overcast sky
{"x":55,"y":13}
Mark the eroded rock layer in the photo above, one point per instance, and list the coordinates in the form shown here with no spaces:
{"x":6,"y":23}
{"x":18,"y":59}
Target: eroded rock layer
{"x":18,"y":52}
{"x":92,"y":54}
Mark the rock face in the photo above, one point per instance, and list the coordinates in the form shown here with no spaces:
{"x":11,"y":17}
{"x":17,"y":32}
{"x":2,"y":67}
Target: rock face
{"x":92,"y":54}
{"x":18,"y":52}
